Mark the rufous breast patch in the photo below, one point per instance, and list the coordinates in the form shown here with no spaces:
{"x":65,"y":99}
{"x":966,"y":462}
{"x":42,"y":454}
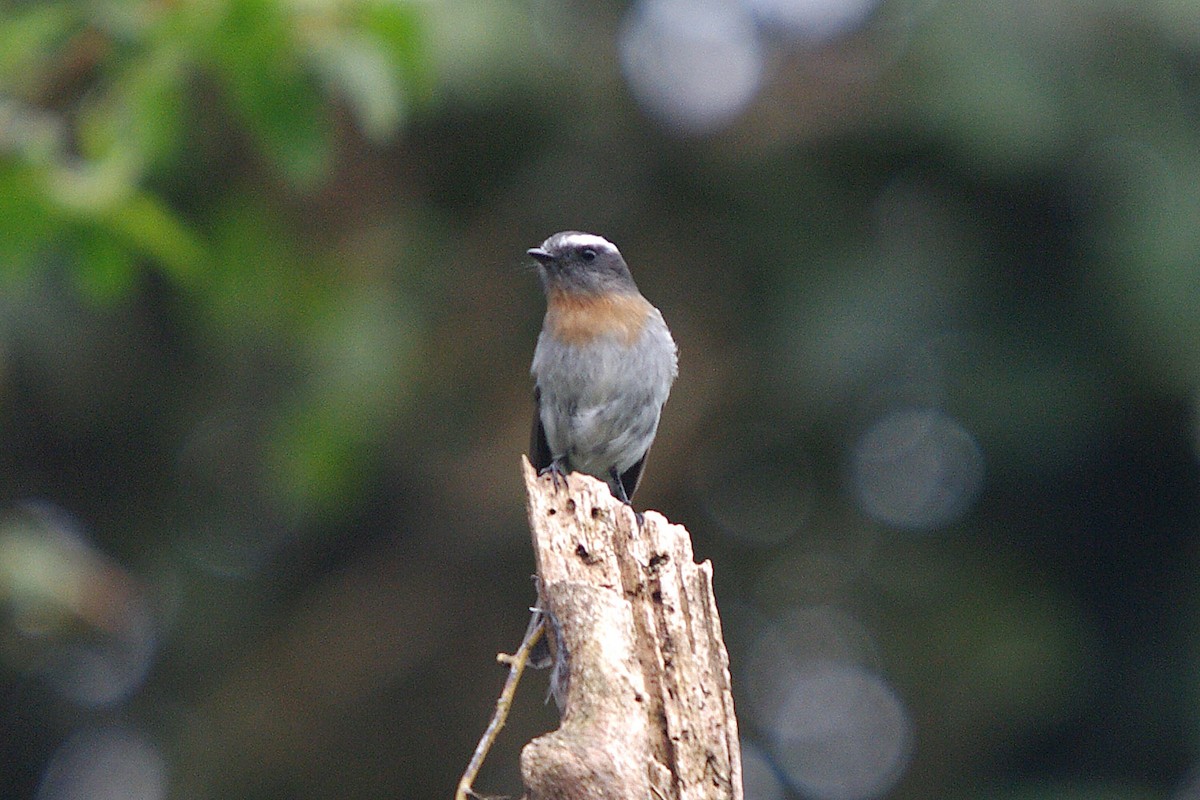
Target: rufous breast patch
{"x":577,"y":319}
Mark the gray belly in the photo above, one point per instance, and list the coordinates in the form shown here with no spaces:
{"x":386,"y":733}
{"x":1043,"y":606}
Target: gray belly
{"x":600,"y":403}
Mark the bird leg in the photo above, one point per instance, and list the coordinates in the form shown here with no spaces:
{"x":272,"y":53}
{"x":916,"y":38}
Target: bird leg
{"x":620,"y":493}
{"x":557,"y":470}
{"x":614,"y":481}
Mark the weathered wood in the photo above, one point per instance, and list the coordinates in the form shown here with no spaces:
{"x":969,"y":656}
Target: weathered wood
{"x":647,"y":707}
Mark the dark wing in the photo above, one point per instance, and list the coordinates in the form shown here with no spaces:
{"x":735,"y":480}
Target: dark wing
{"x":630,"y":477}
{"x":539,"y":449}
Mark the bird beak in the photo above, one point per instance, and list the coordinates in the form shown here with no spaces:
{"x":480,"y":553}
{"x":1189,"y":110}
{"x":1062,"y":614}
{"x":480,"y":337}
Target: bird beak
{"x":540,"y":255}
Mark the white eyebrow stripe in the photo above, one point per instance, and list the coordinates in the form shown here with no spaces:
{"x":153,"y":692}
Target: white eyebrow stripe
{"x":585,"y":240}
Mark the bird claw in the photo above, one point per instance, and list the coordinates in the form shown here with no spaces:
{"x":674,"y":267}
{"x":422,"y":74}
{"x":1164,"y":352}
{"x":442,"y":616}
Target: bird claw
{"x":556,"y":472}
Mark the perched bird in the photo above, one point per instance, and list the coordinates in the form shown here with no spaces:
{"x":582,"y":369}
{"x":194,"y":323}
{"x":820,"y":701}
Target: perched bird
{"x":603,"y":366}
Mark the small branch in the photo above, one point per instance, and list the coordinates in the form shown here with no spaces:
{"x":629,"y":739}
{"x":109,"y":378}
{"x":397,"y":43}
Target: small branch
{"x":516,"y":667}
{"x":647,"y":707}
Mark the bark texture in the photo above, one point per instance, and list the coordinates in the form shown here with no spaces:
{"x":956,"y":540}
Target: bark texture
{"x":643,"y":672}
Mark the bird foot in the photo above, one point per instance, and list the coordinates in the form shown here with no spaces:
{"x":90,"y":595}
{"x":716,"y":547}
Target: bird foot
{"x":557,"y":473}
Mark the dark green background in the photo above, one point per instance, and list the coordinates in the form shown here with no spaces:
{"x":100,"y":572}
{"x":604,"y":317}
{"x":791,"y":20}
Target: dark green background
{"x":265,"y":325}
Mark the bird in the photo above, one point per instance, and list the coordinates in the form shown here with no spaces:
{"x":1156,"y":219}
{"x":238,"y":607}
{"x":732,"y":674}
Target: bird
{"x":603,"y":366}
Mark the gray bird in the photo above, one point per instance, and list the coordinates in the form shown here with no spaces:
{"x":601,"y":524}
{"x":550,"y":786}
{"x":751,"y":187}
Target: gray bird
{"x":603,"y":367}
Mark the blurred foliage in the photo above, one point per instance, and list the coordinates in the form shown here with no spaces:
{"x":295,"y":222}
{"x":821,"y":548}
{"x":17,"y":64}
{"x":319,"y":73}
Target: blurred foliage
{"x":103,"y":177}
{"x":264,"y":339}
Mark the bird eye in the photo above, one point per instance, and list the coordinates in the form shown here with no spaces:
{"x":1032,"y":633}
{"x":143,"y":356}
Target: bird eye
{"x":587,"y":254}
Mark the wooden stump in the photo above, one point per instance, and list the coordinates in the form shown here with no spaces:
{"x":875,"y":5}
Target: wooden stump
{"x":647,"y":707}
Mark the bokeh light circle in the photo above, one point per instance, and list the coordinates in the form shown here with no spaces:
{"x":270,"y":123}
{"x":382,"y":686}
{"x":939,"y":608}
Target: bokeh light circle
{"x":916,"y":468}
{"x":842,"y":733}
{"x":107,"y":763}
{"x":692,"y":65}
{"x":812,"y":19}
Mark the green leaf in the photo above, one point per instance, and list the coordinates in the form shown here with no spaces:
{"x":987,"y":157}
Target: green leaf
{"x":105,"y":269}
{"x":26,"y":220}
{"x":259,"y":63}
{"x":401,"y":29}
{"x":141,"y":114}
{"x":360,"y":70}
{"x":150,"y":227}
{"x":27,"y":42}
